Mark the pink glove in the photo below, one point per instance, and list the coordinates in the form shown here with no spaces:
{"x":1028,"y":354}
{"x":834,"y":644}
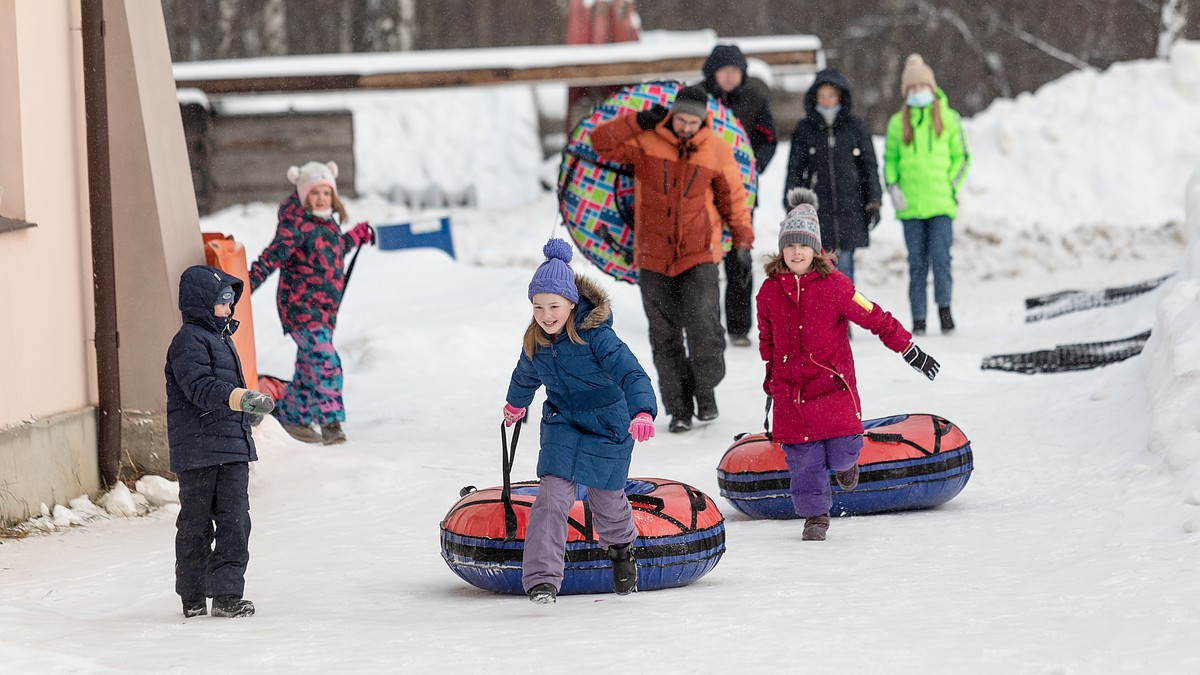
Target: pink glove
{"x":642,"y":427}
{"x":512,"y":415}
{"x":362,"y":233}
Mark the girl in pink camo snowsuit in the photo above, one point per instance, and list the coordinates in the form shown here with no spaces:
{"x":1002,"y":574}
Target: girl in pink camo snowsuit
{"x":309,"y":250}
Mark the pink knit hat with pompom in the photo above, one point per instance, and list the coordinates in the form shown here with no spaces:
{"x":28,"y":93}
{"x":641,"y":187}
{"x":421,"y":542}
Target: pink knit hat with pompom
{"x":311,"y":175}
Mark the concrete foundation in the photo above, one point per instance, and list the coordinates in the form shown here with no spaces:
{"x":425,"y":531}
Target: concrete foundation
{"x":48,"y":461}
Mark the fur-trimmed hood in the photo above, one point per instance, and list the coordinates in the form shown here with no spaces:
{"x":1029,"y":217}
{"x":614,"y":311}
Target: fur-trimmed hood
{"x":594,"y":308}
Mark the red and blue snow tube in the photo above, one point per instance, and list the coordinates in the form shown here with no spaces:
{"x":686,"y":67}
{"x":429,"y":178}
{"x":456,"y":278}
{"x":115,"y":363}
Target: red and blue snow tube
{"x":681,"y":537}
{"x":907,"y":462}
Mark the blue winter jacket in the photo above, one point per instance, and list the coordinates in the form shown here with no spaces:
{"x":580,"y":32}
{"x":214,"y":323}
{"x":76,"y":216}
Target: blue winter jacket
{"x":202,"y":370}
{"x":593,"y":391}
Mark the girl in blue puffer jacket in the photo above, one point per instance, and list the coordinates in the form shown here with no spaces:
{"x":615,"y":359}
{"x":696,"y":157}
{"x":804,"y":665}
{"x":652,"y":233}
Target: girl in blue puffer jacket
{"x":599,"y":400}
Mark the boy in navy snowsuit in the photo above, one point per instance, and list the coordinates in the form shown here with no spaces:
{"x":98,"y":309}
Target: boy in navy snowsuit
{"x":208,"y":428}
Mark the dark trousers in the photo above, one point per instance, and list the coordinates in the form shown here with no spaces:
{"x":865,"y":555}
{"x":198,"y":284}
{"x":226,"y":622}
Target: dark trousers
{"x":212,"y":495}
{"x":686,"y":337}
{"x":739,"y":286}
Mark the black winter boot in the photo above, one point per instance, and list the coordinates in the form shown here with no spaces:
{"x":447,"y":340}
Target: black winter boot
{"x":680,"y":423}
{"x":543,"y":594}
{"x":706,"y":407}
{"x":232,"y":607}
{"x":946,"y":319}
{"x":624,"y":566}
{"x":194,"y":608}
{"x":918,"y":327}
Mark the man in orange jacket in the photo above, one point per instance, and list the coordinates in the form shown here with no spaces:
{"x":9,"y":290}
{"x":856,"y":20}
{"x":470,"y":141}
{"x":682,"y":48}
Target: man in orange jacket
{"x":686,"y":183}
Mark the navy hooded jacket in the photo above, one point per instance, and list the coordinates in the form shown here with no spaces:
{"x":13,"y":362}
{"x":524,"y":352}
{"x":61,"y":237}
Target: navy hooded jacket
{"x":837,"y":161}
{"x":593,"y":390}
{"x":202,"y":370}
{"x":748,"y":105}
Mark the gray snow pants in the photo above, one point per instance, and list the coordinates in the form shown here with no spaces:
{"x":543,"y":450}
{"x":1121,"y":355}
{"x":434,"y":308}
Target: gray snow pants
{"x":546,"y":533}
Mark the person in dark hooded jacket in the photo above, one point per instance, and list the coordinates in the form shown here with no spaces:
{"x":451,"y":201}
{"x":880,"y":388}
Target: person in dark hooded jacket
{"x":725,"y":80}
{"x":833,"y":155}
{"x":208,"y":431}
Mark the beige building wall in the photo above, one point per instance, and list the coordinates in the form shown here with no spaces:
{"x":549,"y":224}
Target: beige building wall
{"x":47,"y":424}
{"x":48,"y":392}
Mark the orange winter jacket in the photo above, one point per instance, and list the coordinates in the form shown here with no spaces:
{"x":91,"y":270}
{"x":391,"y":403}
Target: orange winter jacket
{"x":681,"y":194}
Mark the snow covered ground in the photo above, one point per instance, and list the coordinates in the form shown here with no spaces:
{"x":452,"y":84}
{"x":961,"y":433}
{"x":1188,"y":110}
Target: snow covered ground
{"x":1073,"y":549}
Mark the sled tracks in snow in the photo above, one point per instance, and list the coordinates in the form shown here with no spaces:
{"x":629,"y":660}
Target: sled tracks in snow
{"x":1064,"y":302}
{"x":1069,"y":358}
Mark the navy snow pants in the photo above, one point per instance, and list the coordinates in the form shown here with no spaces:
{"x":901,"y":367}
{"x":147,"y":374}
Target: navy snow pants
{"x":213,"y":495}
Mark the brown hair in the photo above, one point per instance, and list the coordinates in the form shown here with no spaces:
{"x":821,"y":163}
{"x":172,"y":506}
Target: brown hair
{"x":823,"y":264}
{"x":338,"y":208}
{"x":536,"y":337}
{"x":936,"y":108}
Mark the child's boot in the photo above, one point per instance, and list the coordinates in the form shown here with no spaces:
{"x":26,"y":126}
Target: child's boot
{"x":232,"y":607}
{"x":332,"y":434}
{"x":194,"y":608}
{"x":815,"y":528}
{"x":543,"y":594}
{"x":946,"y":319}
{"x":624,"y":567}
{"x":848,"y":479}
{"x":302,"y":432}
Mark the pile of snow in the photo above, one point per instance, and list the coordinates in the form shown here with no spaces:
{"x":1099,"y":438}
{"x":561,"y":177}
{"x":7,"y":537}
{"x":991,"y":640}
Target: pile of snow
{"x":452,"y":140}
{"x":1091,"y":164}
{"x":1172,"y":367}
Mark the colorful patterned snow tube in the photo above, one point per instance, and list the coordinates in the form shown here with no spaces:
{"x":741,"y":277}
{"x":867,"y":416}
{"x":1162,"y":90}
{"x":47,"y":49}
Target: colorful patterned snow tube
{"x":595,"y":197}
{"x":907,"y":462}
{"x":681,"y":537}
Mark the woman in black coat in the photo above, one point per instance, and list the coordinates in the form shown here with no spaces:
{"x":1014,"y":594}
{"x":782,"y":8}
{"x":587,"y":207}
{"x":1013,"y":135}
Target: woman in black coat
{"x":832,"y":154}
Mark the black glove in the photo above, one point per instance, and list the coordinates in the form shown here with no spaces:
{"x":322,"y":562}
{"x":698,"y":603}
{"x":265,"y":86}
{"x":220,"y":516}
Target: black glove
{"x":922,"y":362}
{"x":872,"y":211}
{"x":648,"y":119}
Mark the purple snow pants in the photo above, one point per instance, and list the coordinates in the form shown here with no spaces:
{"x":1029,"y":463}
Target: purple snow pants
{"x":546,"y":533}
{"x":809,"y":465}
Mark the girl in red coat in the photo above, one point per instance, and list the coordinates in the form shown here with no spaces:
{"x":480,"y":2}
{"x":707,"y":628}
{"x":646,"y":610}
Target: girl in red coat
{"x":803,"y":307}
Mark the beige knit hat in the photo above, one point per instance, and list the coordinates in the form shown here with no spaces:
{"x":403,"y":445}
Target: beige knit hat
{"x":916,"y":72}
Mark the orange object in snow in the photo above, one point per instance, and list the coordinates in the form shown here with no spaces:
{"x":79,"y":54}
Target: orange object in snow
{"x":226,"y":254}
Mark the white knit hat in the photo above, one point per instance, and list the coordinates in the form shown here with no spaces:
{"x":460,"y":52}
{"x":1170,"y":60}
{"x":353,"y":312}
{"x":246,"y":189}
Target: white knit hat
{"x":311,"y":175}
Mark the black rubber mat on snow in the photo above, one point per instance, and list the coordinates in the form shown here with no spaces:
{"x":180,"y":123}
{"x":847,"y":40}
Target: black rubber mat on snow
{"x":1064,"y":302}
{"x":1069,"y":358}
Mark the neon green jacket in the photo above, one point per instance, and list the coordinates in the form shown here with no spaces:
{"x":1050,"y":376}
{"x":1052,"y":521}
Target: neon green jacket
{"x":931,"y":169}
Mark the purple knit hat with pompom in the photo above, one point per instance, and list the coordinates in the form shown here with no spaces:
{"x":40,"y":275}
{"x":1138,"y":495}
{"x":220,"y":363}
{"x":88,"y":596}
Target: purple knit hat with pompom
{"x":555,"y":275}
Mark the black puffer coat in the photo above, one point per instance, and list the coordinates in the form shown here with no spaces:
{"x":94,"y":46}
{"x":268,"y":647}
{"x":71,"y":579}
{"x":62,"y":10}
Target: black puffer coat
{"x":202,"y":370}
{"x":747,"y":104}
{"x":838,"y":163}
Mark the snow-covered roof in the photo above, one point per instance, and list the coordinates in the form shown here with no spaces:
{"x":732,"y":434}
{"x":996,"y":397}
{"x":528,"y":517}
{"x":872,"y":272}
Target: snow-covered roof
{"x":576,"y":64}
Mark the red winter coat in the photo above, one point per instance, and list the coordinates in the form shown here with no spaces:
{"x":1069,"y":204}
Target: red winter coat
{"x":802,"y":335}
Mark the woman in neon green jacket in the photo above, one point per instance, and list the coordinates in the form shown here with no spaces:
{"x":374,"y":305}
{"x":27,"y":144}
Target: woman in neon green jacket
{"x":925,"y":159}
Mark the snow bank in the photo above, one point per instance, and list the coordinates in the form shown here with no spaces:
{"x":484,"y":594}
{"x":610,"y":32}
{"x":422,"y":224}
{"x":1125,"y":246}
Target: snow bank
{"x":1172,"y":367}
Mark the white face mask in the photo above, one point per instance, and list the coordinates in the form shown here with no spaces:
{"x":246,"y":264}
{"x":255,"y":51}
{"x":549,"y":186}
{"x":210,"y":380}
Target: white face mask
{"x":829,"y":113}
{"x":919,"y":99}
